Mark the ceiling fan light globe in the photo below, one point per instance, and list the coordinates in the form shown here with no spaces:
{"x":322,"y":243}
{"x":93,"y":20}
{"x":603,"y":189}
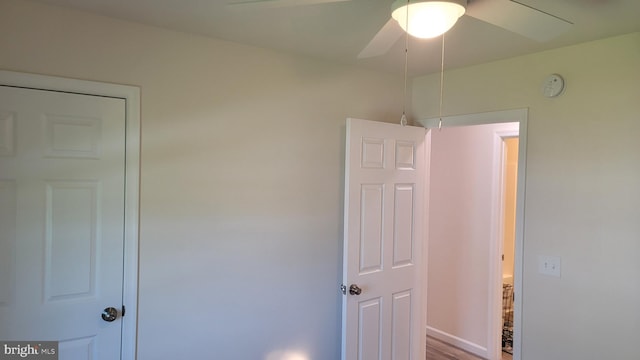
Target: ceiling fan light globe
{"x":427,"y":19}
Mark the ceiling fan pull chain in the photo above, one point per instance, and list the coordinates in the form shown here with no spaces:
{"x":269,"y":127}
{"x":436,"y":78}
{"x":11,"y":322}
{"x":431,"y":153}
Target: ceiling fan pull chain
{"x":441,"y":84}
{"x":403,"y":118}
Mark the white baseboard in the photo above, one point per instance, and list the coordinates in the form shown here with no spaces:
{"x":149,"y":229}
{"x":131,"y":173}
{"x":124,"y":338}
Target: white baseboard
{"x":463,"y":344}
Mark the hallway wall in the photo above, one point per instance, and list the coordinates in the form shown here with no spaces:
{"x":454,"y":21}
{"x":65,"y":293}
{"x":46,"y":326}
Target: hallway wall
{"x":463,"y":232}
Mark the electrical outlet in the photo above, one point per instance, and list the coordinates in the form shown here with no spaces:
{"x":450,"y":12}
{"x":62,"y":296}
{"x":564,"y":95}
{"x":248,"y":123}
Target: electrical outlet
{"x":549,"y":265}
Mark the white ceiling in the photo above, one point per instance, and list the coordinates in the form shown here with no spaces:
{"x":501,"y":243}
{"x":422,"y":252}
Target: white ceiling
{"x":339,"y":31}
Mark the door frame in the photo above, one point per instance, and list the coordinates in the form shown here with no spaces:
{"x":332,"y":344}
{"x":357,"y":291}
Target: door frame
{"x":506,"y":116}
{"x":131,"y":96}
{"x":497,"y":245}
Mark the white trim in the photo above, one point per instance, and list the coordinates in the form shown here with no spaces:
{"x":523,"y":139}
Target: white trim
{"x":496,"y":248}
{"x":131,"y":95}
{"x":460,"y":343}
{"x":518,"y":287}
{"x":425,"y":241}
{"x":493,"y":117}
{"x":507,"y":116}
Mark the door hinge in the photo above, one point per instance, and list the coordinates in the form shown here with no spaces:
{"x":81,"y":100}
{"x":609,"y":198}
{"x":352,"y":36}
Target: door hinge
{"x":123,"y":310}
{"x":343,"y":289}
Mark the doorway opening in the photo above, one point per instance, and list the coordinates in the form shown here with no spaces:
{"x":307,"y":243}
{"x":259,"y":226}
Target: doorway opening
{"x":467,"y":229}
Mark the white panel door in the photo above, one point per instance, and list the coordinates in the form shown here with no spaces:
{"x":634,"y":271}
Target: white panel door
{"x":61,"y":220}
{"x":384,"y":201}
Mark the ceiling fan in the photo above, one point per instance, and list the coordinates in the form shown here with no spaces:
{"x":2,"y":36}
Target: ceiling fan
{"x":508,"y":14}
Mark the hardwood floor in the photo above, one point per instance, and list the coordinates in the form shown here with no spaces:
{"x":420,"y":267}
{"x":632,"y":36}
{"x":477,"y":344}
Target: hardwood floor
{"x":437,"y":350}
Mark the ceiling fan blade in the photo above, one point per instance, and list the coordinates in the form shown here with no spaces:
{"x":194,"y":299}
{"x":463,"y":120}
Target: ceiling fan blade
{"x":518,"y":18}
{"x":383,"y":41}
{"x":270,"y":4}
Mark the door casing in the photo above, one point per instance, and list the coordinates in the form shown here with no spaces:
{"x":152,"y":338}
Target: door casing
{"x":131,"y":95}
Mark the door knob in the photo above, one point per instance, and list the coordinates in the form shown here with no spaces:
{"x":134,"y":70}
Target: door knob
{"x":354,"y":289}
{"x":109,"y":314}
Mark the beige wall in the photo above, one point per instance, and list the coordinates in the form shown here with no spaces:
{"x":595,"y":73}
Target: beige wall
{"x":582,"y":194}
{"x":241,"y":193}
